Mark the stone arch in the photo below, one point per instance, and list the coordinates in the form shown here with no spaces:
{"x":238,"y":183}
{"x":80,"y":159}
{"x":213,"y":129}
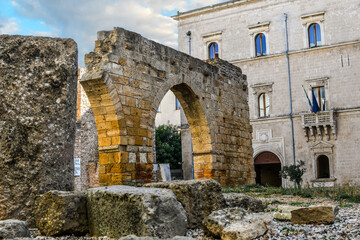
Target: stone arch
{"x":269,"y":148}
{"x":267,"y":167}
{"x":127,"y":78}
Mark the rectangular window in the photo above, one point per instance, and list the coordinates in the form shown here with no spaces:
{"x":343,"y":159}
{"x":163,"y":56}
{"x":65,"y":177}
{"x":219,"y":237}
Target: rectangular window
{"x":319,"y":93}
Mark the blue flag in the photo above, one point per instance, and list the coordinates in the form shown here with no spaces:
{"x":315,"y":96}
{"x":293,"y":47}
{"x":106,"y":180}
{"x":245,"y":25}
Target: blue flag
{"x":315,"y":105}
{"x":308,"y":99}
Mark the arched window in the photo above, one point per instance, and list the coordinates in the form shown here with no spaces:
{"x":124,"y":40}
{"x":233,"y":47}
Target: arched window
{"x":314,"y":35}
{"x":323,"y":169}
{"x":260,"y":44}
{"x":213,"y":50}
{"x":264,"y":105}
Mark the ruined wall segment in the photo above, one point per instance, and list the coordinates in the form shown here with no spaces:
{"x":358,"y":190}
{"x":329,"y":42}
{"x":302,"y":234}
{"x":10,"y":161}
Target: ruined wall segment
{"x":127,"y":78}
{"x":37,"y":120}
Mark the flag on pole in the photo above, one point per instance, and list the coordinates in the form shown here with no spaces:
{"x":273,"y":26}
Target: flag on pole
{"x":315,"y":105}
{"x":311,"y":107}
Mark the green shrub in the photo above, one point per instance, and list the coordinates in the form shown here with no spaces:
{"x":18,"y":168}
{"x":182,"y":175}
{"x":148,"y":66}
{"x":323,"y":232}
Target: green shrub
{"x":294,"y":172}
{"x":168,"y":146}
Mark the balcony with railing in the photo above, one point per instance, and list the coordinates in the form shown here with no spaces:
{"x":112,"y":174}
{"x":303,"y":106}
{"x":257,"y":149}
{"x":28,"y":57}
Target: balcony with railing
{"x":320,"y":124}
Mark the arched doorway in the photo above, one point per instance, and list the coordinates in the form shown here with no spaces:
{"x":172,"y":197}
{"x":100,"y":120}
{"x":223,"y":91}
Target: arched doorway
{"x":267,"y":168}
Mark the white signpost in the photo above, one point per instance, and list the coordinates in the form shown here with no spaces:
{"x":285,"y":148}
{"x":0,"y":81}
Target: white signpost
{"x":77,"y":167}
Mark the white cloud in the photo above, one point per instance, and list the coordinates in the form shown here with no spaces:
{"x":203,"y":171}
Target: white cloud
{"x":81,"y":19}
{"x":8,"y":26}
{"x":44,"y":34}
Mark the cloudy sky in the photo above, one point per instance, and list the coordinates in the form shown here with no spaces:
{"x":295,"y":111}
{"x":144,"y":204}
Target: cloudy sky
{"x":81,"y":19}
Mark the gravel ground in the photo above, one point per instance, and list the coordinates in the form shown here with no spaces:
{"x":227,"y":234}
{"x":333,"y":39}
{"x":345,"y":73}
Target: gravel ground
{"x":346,"y":225}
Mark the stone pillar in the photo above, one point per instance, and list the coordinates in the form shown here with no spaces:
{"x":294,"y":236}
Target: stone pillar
{"x":37,"y":120}
{"x":186,"y":148}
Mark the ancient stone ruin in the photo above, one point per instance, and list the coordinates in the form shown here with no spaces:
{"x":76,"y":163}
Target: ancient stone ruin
{"x":127,"y":77}
{"x":37,"y":120}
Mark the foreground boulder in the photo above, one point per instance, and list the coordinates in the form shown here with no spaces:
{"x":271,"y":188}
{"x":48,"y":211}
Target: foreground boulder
{"x":236,"y":223}
{"x":38,"y":79}
{"x":118,"y":211}
{"x":11,"y":228}
{"x":198,"y":197}
{"x":61,"y":213}
{"x":314,"y":215}
{"x":244,"y":201}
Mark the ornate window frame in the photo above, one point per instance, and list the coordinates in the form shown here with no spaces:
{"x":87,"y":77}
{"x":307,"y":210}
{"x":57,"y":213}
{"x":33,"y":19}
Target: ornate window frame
{"x":254,"y":30}
{"x":319,"y":82}
{"x":210,"y":38}
{"x":309,"y":19}
{"x":326,"y":149}
{"x":259,"y":89}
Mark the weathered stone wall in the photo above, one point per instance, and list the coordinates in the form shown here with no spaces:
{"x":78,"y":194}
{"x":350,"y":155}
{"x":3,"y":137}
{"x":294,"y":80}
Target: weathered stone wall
{"x":37,"y":120}
{"x":86,"y":142}
{"x":127,"y":78}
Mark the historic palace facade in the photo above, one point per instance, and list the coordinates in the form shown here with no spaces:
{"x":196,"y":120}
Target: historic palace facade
{"x":288,"y":48}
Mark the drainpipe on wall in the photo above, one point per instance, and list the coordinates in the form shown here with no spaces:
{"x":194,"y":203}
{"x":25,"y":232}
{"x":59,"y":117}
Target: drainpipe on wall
{"x":192,"y":156}
{"x":290,"y":97}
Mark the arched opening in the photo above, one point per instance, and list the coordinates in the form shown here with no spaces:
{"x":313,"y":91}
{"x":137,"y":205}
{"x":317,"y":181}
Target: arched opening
{"x":267,"y":168}
{"x":323,"y":168}
{"x":173,"y":146}
{"x":181,"y":108}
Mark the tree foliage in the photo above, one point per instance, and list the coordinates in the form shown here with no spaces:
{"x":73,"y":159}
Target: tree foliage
{"x":294,"y":172}
{"x":168,"y":146}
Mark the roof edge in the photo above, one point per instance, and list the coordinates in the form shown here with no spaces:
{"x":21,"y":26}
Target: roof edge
{"x":227,"y":4}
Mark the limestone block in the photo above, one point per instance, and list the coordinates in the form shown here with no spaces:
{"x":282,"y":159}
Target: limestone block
{"x":314,"y":215}
{"x":284,"y":212}
{"x":37,"y":120}
{"x":282,"y":216}
{"x":236,"y":223}
{"x":11,"y":228}
{"x":118,"y":211}
{"x":245,"y":202}
{"x":61,"y":213}
{"x":198,"y":197}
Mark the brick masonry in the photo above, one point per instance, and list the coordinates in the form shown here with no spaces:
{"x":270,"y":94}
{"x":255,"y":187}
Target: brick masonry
{"x":128,"y":76}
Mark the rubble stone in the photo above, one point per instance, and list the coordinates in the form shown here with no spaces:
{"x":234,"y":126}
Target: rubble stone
{"x":12,"y":228}
{"x":62,"y":213}
{"x":37,"y":120}
{"x":118,"y":211}
{"x":237,"y":224}
{"x":245,"y":202}
{"x":198,"y":197}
